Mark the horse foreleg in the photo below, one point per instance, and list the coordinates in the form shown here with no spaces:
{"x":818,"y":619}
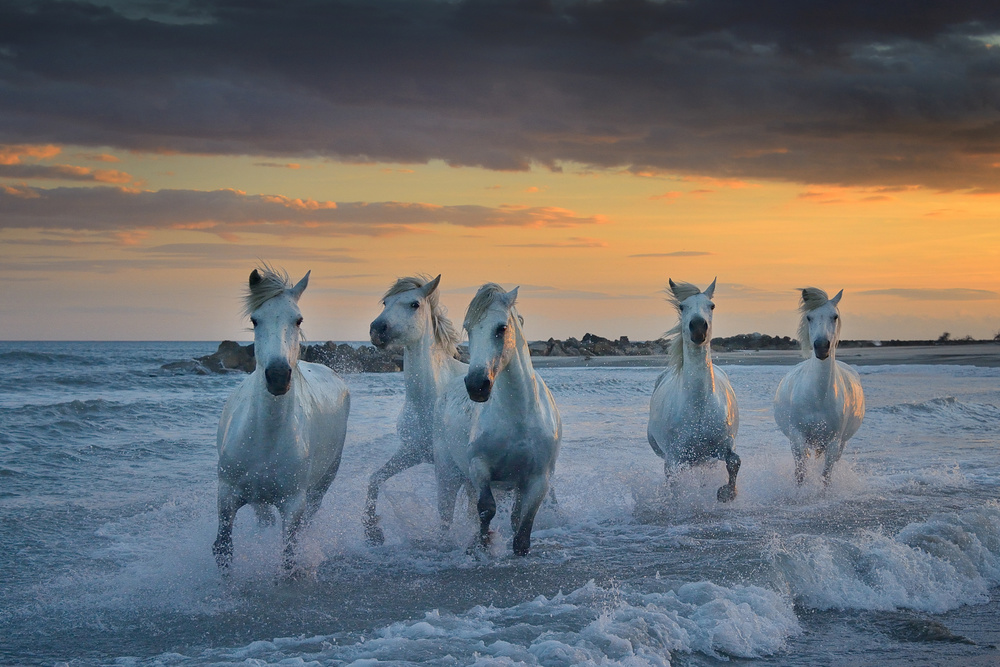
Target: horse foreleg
{"x":487,"y":505}
{"x":405,"y":457}
{"x":292,"y":513}
{"x":229,"y":504}
{"x":728,"y":492}
{"x":449,"y":478}
{"x":831,"y":456}
{"x":530,"y":499}
{"x":799,"y":453}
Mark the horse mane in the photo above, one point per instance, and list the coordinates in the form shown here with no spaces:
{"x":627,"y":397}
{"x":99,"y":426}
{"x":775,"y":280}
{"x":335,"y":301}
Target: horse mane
{"x":485,"y":297}
{"x":675,"y":296}
{"x":444,"y":331}
{"x":273,"y":282}
{"x":812,"y":298}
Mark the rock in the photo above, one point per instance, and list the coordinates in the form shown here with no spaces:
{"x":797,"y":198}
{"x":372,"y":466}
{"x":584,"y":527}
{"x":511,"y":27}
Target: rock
{"x":231,"y":356}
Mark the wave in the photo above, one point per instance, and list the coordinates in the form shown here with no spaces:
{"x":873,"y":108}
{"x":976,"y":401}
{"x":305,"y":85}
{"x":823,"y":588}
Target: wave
{"x":15,"y":356}
{"x":934,"y":566}
{"x":946,"y":411}
{"x":591,"y":625}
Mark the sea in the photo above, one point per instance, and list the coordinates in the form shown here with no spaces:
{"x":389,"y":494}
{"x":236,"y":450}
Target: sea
{"x":107,"y":517}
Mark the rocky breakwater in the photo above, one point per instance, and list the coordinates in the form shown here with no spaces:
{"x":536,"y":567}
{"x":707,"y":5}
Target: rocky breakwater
{"x":592,"y":345}
{"x":343,"y":358}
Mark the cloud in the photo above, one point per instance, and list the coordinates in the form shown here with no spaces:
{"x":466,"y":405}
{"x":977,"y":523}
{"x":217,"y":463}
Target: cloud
{"x":953,"y":294}
{"x":678,"y":253}
{"x":228,"y":212}
{"x":836,"y":92}
{"x":63,"y":172}
{"x":573,"y":242}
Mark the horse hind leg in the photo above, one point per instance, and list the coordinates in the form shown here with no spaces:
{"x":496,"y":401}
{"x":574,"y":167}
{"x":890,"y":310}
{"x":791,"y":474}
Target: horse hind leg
{"x":265,"y":516}
{"x":727,"y":492}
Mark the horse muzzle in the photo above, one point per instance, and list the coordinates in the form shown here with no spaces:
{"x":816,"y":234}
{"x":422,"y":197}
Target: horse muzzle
{"x":699,"y":330}
{"x":379,"y":334}
{"x":479,"y":386}
{"x":822,"y":348}
{"x":279,"y":378}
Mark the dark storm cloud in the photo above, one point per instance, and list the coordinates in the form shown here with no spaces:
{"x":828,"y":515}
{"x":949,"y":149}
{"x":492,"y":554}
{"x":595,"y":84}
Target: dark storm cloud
{"x":847,"y":92}
{"x":108,"y":209}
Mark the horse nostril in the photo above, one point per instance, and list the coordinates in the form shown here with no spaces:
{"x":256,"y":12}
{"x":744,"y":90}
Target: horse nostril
{"x":279,"y":378}
{"x":478,"y":387}
{"x":377,"y":333}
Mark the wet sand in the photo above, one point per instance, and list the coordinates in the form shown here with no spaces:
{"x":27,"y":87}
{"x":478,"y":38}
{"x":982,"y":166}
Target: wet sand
{"x":980,"y":354}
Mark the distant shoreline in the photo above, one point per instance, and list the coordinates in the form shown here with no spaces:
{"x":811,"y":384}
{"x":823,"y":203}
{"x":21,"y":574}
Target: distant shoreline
{"x":971,"y":354}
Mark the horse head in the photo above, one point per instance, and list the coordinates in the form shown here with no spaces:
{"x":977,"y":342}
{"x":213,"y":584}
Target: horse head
{"x":274,"y":312}
{"x":492,"y":323}
{"x":819,"y":330}
{"x":694,"y":308}
{"x":406,"y":317}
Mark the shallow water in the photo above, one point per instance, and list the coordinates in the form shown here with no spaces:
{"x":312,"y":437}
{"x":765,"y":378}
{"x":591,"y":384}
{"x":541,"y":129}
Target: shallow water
{"x":107,"y":485}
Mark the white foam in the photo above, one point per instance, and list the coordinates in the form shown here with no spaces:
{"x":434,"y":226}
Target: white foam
{"x":591,"y":625}
{"x":935,"y":565}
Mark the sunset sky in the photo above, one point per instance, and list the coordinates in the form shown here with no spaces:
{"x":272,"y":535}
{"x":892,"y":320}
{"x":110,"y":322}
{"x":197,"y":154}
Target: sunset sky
{"x":151,"y":152}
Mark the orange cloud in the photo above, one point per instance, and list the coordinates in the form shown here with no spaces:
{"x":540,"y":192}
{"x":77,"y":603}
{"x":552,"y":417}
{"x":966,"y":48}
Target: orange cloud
{"x":13,"y":154}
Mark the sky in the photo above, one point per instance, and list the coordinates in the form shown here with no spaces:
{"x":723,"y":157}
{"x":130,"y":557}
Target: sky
{"x":152,"y":152}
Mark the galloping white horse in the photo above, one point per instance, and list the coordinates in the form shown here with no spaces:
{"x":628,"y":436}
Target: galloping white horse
{"x":414,"y":320}
{"x":508,"y":434}
{"x":282,"y":431}
{"x":692,"y":414}
{"x":819,"y":405}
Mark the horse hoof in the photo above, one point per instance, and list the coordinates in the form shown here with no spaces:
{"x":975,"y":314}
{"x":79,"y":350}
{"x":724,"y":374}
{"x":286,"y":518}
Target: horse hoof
{"x":521,"y":548}
{"x":726,"y":494}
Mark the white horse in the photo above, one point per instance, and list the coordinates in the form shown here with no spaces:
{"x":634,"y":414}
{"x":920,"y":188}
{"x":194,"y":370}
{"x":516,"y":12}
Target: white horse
{"x":819,"y":405}
{"x":693,"y":415}
{"x":282,"y":431}
{"x":413,"y":319}
{"x":508,"y":434}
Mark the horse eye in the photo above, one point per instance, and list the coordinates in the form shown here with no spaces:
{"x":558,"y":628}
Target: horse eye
{"x":809,"y":318}
{"x":298,"y":322}
{"x":253,"y":321}
{"x":712,"y":306}
{"x":501,"y":330}
{"x":415,"y":305}
{"x":836,"y":317}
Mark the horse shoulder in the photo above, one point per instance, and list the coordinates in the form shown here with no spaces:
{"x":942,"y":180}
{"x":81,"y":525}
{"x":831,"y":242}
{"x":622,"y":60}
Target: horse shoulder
{"x":235,"y":415}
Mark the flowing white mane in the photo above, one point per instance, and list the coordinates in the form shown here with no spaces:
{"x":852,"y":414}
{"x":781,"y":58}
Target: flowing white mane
{"x":273,"y":282}
{"x":444,"y":331}
{"x":675,"y":296}
{"x":487,"y":295}
{"x":812,"y":298}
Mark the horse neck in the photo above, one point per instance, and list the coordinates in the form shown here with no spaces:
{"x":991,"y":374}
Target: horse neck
{"x":697,"y":371}
{"x":274,"y":411}
{"x":516,"y":382}
{"x":424,"y":364}
{"x":826,"y":369}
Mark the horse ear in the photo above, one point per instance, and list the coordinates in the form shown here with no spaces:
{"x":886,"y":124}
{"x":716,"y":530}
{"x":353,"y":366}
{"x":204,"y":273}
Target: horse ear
{"x":300,"y":286}
{"x":673,"y":285}
{"x":429,"y":288}
{"x":835,"y":300}
{"x":710,"y":290}
{"x":510,"y":297}
{"x":254,"y":278}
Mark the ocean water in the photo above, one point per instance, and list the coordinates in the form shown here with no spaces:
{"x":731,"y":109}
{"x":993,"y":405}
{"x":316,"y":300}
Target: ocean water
{"x":107,"y":508}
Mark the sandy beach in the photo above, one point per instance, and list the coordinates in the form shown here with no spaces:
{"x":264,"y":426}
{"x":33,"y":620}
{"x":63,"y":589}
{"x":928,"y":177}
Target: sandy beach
{"x":983,"y":354}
